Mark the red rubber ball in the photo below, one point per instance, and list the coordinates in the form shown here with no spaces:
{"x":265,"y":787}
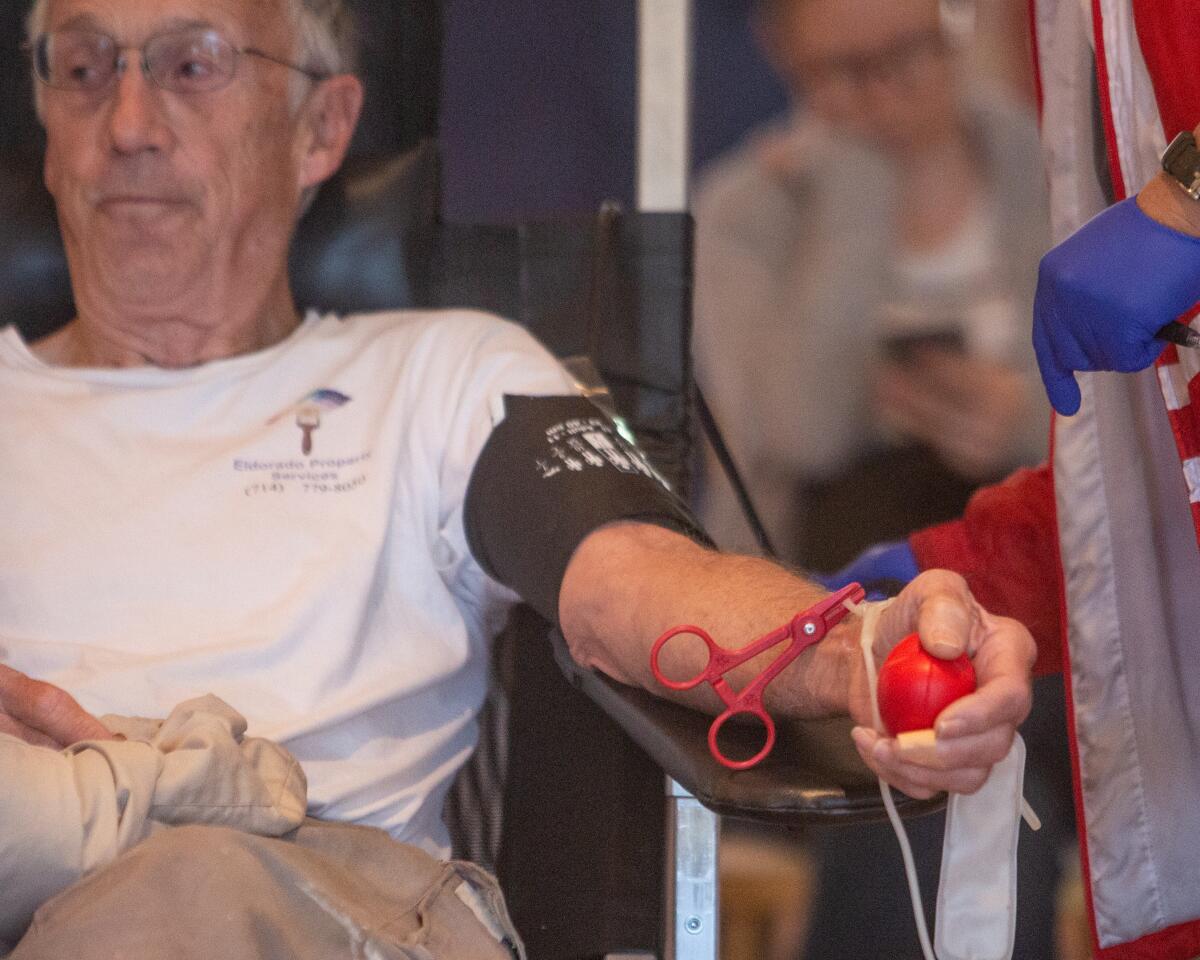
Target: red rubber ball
{"x":915,"y":686}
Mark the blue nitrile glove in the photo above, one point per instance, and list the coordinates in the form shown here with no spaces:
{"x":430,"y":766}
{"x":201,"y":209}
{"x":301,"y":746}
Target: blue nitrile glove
{"x":883,"y":570}
{"x":1104,"y":292}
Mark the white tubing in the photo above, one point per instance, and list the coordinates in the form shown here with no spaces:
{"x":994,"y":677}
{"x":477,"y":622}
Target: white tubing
{"x":870,"y":615}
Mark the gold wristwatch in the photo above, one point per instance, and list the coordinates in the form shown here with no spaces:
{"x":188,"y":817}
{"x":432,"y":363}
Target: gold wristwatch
{"x":1181,"y":160}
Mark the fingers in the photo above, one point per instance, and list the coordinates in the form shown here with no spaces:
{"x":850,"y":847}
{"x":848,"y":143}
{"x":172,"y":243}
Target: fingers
{"x":957,"y":765}
{"x":944,"y":622}
{"x":976,"y":731}
{"x":1002,"y":660}
{"x":1043,"y":346}
{"x":950,"y":622}
{"x":919,"y":780}
{"x":1061,"y":388}
{"x":1063,"y":391}
{"x":46,"y":710}
{"x":938,"y":605}
{"x":1065,"y":396}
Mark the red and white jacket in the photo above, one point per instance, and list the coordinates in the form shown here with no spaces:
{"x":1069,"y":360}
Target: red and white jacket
{"x":1097,"y":551}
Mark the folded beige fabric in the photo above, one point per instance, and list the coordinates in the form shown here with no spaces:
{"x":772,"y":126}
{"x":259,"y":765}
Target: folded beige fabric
{"x":64,"y":814}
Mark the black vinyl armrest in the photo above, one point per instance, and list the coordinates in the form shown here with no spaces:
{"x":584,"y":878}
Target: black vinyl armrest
{"x":813,"y":774}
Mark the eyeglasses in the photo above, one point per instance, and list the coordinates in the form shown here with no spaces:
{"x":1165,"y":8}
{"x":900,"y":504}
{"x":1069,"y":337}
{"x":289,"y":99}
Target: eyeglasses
{"x":192,"y":60}
{"x":898,"y":60}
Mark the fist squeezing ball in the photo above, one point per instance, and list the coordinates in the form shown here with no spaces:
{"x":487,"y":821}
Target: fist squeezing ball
{"x":915,"y":686}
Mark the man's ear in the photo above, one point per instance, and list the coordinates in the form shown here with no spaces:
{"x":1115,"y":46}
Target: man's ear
{"x":330,"y":115}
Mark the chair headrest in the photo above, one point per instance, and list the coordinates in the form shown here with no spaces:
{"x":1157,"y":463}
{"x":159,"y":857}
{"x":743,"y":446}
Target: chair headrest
{"x":35,"y":287}
{"x":363,"y":245}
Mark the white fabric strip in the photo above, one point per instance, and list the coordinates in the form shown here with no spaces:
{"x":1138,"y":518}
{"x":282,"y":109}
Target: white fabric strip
{"x":1191,"y":473}
{"x":1140,"y":854}
{"x":1140,"y":139}
{"x":1066,"y":62}
{"x":1131,"y":565}
{"x":1174,"y":381}
{"x":1106,"y":745}
{"x":977,"y":889}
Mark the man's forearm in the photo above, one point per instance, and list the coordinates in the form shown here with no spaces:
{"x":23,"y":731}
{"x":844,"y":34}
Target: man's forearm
{"x":43,"y":714}
{"x":628,"y":583}
{"x":656,"y":579}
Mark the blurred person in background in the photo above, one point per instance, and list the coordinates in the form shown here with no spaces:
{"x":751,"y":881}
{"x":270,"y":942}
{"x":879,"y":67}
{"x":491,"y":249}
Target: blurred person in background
{"x":865,"y":275}
{"x":999,"y":48}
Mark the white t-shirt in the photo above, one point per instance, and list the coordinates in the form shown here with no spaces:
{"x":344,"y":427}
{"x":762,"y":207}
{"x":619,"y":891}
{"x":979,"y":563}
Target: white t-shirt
{"x":166,"y":535}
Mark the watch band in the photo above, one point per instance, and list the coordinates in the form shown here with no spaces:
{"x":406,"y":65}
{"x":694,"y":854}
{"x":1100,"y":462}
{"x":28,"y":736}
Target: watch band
{"x":1181,"y":160}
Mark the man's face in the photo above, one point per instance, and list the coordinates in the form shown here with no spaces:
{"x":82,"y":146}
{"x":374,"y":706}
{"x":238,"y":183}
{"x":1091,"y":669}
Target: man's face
{"x":875,"y":69}
{"x":161,"y":194}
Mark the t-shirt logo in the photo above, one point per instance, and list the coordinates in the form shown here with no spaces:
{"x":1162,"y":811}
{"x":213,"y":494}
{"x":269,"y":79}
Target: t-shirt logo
{"x":308,"y":414}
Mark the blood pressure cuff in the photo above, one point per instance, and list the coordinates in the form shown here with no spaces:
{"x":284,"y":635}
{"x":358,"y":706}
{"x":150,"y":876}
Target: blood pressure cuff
{"x":554,"y":470}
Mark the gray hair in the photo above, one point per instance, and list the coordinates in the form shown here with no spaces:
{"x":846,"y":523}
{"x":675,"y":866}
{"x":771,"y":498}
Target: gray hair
{"x":325,"y":35}
{"x":324,"y":31}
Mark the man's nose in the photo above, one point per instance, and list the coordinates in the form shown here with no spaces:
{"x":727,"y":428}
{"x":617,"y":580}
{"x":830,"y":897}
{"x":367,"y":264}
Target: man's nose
{"x":137,"y":122}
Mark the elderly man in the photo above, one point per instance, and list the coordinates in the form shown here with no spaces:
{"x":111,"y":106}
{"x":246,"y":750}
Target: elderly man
{"x":210,"y":492}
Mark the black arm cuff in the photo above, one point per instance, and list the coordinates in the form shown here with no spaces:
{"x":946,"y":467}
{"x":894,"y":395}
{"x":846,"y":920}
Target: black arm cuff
{"x":552,"y":472}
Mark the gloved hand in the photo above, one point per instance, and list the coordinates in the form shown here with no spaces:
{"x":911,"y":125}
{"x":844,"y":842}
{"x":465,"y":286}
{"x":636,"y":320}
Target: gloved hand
{"x":1104,"y":292}
{"x":882,"y":570}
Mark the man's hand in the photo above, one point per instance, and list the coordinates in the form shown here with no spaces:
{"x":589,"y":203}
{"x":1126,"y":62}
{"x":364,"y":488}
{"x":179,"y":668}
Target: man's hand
{"x":43,"y":714}
{"x":972,"y":412}
{"x":972,"y":733}
{"x":1106,"y":290}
